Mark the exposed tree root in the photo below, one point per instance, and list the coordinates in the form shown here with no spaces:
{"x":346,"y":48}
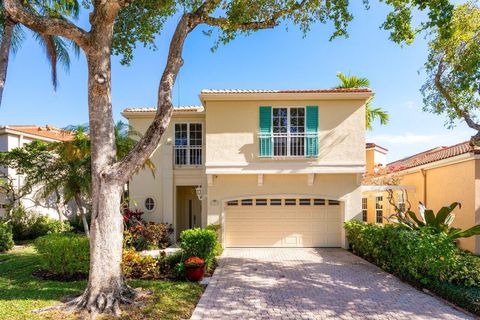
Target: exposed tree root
{"x":100,"y":303}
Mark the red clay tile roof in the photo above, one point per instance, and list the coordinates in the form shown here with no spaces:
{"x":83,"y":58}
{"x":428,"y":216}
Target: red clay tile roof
{"x":432,"y":155}
{"x":48,"y":131}
{"x":353,"y":90}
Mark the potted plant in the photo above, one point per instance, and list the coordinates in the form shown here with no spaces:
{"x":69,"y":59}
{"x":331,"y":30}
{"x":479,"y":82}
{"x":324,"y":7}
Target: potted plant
{"x":195,"y":268}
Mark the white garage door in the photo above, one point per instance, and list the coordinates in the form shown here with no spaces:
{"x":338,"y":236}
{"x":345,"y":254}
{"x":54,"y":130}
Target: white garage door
{"x":283,"y":223}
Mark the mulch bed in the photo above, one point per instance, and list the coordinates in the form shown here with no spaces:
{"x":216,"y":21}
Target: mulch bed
{"x":47,"y":275}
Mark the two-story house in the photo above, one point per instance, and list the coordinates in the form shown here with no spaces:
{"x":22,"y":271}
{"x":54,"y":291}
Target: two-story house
{"x":275,"y":168}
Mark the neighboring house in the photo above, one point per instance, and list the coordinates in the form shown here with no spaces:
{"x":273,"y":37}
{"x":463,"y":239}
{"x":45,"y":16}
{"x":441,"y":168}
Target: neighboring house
{"x":273,"y":168}
{"x":14,"y":136}
{"x":436,"y":177}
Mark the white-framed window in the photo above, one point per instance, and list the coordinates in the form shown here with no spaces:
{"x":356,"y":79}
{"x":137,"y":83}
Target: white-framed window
{"x":188,"y":144}
{"x":401,"y":201}
{"x":149,"y":204}
{"x":364,"y":209}
{"x":288,"y":126}
{"x":379,"y":209}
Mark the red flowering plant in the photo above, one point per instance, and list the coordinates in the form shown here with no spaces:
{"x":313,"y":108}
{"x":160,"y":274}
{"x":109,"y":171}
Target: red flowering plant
{"x":194,"y":262}
{"x":388,"y":179}
{"x":131,"y":217}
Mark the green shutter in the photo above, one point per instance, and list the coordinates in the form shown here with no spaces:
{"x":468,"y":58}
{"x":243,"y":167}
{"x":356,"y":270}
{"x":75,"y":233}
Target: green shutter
{"x":311,"y":126}
{"x":265,"y":131}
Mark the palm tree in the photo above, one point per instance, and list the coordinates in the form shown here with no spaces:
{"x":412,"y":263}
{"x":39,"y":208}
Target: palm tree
{"x":349,"y":82}
{"x":56,"y":48}
{"x":75,"y":182}
{"x":74,"y":157}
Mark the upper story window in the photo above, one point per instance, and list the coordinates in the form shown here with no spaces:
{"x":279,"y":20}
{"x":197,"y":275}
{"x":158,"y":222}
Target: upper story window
{"x":288,"y":131}
{"x":188,"y":144}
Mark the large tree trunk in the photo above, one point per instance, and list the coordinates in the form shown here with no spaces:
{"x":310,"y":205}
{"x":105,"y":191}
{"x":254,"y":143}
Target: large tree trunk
{"x":106,"y":288}
{"x":5,"y":46}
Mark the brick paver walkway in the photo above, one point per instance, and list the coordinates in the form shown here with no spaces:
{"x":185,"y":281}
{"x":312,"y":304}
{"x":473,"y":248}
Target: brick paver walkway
{"x":311,"y":284}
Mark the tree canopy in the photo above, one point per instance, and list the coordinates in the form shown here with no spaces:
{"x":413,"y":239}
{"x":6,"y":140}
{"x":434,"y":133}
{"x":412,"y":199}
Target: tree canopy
{"x":141,"y":21}
{"x":453,"y":69}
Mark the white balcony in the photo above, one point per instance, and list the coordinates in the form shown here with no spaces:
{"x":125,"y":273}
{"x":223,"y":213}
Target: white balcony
{"x":281,"y":145}
{"x":187,"y":155}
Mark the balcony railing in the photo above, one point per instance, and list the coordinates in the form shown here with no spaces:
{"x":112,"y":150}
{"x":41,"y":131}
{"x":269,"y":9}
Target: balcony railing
{"x":286,"y":144}
{"x":188,"y":155}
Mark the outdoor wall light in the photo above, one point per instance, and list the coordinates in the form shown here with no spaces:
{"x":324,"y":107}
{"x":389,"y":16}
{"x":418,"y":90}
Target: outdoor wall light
{"x":199,"y":192}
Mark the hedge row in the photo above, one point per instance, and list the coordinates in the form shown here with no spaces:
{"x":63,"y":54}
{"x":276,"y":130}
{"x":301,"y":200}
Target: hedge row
{"x":421,"y":257}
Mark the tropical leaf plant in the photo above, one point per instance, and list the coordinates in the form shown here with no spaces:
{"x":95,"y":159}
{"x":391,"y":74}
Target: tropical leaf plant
{"x":440,"y":222}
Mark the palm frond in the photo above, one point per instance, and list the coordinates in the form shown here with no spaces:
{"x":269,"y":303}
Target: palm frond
{"x":349,"y":82}
{"x":18,"y":36}
{"x":48,"y":44}
{"x":372,"y":114}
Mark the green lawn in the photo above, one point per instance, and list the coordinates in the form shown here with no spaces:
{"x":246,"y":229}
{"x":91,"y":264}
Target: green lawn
{"x":20,"y":293}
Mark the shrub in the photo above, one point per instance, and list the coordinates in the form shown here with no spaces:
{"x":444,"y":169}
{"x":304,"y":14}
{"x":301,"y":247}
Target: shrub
{"x":218,"y":231}
{"x":464,"y":297}
{"x":146,"y":236}
{"x":28,"y":225}
{"x":420,"y":255}
{"x":200,"y":243}
{"x":64,"y":254}
{"x":131,"y":217}
{"x":172,"y":265}
{"x":6,"y":236}
{"x":136,"y":266}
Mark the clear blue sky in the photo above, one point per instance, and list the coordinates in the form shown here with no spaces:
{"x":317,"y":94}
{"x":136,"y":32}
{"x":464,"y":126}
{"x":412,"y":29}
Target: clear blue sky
{"x":270,"y":59}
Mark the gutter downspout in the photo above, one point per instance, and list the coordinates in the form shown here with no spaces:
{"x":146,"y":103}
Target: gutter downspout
{"x":424,"y":174}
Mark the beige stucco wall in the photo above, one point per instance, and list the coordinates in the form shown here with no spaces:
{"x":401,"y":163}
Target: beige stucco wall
{"x":452,"y":183}
{"x":232,"y":131}
{"x":441,"y":186}
{"x":162,"y":186}
{"x":342,"y":187}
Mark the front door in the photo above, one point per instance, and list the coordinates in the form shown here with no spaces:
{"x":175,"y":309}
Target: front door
{"x":193,"y":215}
{"x":189,"y":209}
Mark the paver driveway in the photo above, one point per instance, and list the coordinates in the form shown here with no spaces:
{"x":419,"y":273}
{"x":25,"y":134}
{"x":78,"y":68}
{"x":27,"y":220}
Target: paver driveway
{"x":311,"y":284}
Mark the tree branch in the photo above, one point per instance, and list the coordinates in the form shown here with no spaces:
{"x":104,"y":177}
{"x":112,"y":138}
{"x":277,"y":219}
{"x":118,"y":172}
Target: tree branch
{"x":460,"y":112}
{"x":124,"y":169}
{"x":47,"y":25}
{"x":226,"y":24}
